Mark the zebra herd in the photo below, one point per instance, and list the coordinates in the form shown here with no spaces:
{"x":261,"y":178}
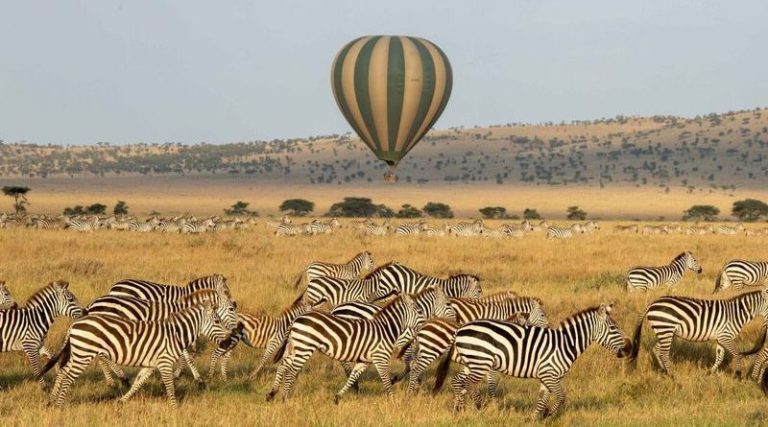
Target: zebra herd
{"x":361,"y":315}
{"x":91,"y":223}
{"x":692,"y":230}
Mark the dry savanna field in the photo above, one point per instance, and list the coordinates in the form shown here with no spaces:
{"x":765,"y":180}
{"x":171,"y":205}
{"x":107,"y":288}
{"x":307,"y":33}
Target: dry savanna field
{"x":567,"y":275}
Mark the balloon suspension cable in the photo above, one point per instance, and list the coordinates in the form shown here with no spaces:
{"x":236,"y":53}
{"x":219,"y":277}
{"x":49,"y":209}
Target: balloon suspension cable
{"x":390,"y":177}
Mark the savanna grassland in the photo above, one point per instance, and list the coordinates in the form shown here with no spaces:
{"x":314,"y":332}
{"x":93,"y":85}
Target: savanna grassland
{"x":567,"y":275}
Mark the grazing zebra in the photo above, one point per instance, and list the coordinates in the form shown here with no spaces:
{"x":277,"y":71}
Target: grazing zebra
{"x":633,"y":228}
{"x":700,"y":320}
{"x":335,"y":291}
{"x":259,"y":331}
{"x":467,"y":229}
{"x":696,"y":230}
{"x":413,"y":229}
{"x":318,"y":227}
{"x":436,"y":232}
{"x":149,"y":345}
{"x":24,"y":329}
{"x":274,"y":224}
{"x":373,"y":229}
{"x":542,"y":226}
{"x":590,"y":227}
{"x":140,"y":227}
{"x":400,"y":279}
{"x":530,"y":352}
{"x":435,"y":340}
{"x":517,"y":230}
{"x":7,"y":301}
{"x":144,"y":310}
{"x":646,"y":278}
{"x":728,"y":230}
{"x":350,"y":270}
{"x":291,"y":229}
{"x":739,"y":273}
{"x":158,"y":292}
{"x":191,"y":227}
{"x":82,"y":225}
{"x":554,"y":232}
{"x":655,"y":229}
{"x":358,"y":341}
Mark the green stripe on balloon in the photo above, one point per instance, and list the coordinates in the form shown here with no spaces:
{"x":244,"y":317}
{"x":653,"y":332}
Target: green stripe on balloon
{"x":338,"y":87}
{"x":362,"y":67}
{"x":395,"y":90}
{"x":427,"y":93}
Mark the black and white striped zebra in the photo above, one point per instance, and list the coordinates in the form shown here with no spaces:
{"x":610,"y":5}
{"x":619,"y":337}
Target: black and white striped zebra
{"x":350,"y":270}
{"x":373,"y":229}
{"x":740,"y":273}
{"x":401,"y":279}
{"x":467,"y":229}
{"x":144,"y":310}
{"x":24,"y":329}
{"x":729,"y":230}
{"x":546,"y":354}
{"x":335,"y":291}
{"x":432,"y":342}
{"x":554,"y":232}
{"x":694,"y":319}
{"x":410,"y":229}
{"x":646,"y":278}
{"x":7,"y":301}
{"x":149,"y":345}
{"x":169,"y":293}
{"x":259,"y":331}
{"x":291,"y":230}
{"x":358,"y":341}
{"x":82,"y":225}
{"x":590,"y":227}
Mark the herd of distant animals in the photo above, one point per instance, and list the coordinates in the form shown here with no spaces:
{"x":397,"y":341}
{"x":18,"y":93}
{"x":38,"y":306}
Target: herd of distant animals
{"x":360,"y":314}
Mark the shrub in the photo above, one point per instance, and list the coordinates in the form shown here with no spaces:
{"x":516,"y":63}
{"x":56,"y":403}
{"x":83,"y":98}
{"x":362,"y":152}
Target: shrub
{"x":297,"y":207}
{"x":493,"y":212}
{"x":701,"y":212}
{"x":576,"y":213}
{"x":750,"y":209}
{"x":409,"y":211}
{"x":120,"y":209}
{"x":359,"y":207}
{"x":240,"y":208}
{"x":529,"y":213}
{"x":438,"y":210}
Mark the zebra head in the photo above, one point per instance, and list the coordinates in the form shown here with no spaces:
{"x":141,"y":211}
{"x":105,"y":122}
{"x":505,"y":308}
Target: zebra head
{"x":537,"y":317}
{"x":608,"y":333}
{"x":368,"y":263}
{"x":441,"y":306}
{"x":762,"y":309}
{"x":226,"y":308}
{"x":464,"y":286}
{"x":413,"y":317}
{"x":6,"y":299}
{"x":691,"y":263}
{"x":57,"y":298}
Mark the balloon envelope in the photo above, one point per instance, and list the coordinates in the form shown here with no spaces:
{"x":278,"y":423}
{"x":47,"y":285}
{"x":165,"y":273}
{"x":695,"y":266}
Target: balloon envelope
{"x":391,"y":90}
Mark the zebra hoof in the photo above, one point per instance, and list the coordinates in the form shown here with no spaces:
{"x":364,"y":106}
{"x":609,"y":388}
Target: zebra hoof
{"x":201,"y":385}
{"x":270,"y":396}
{"x":336,"y":399}
{"x":125,"y":382}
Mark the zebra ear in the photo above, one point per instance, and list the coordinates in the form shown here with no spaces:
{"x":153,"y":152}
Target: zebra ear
{"x":62,"y":284}
{"x":407,"y":300}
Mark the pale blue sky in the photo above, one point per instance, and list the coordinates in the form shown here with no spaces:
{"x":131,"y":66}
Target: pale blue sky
{"x":79,"y":72}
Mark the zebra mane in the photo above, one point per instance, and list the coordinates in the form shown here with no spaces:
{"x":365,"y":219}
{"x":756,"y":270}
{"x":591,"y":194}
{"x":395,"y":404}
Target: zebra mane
{"x":378,"y":269}
{"x":391,"y":304}
{"x":456,"y":276}
{"x":41,"y":294}
{"x":680,"y":257}
{"x":568,"y":320}
{"x":202,"y":294}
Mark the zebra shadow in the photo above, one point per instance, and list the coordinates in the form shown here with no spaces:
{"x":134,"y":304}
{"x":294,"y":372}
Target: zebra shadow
{"x":12,"y":381}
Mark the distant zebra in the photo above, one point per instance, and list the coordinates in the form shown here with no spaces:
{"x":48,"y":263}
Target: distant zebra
{"x":373,"y":229}
{"x":542,"y":226}
{"x":413,"y":229}
{"x":25,"y":328}
{"x":436,"y":231}
{"x":739,"y":273}
{"x":696,"y":230}
{"x":82,"y":225}
{"x":359,"y":341}
{"x":633,"y":228}
{"x":149,"y":345}
{"x":274,"y":224}
{"x":590,"y":227}
{"x":403,"y":280}
{"x":7,"y":301}
{"x":467,"y":229}
{"x":728,"y":230}
{"x":360,"y":263}
{"x":757,"y":232}
{"x":140,"y":227}
{"x":655,"y":229}
{"x":291,"y":229}
{"x":517,"y":230}
{"x":259,"y":331}
{"x":530,"y":352}
{"x":700,"y":320}
{"x":554,"y":232}
{"x":646,"y":278}
{"x":196,"y":227}
{"x":319,"y":227}
{"x":169,"y":293}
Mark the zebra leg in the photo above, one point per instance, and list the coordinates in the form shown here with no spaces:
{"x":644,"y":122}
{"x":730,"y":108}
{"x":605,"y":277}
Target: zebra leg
{"x":729,"y":346}
{"x":661,"y":351}
{"x":293,"y":372}
{"x":348,"y":368}
{"x":758,"y":368}
{"x":719,"y":355}
{"x":223,"y":366}
{"x":218,"y":355}
{"x":66,"y":377}
{"x":381,"y":362}
{"x":417,"y":370}
{"x":141,"y":378}
{"x":459,"y":385}
{"x":542,"y":404}
{"x":272,"y":347}
{"x":166,"y":374}
{"x":554,"y":387}
{"x":408,"y":359}
{"x":493,"y":384}
{"x":32,"y":350}
{"x":191,"y":364}
{"x":354,"y":374}
{"x":106,"y":366}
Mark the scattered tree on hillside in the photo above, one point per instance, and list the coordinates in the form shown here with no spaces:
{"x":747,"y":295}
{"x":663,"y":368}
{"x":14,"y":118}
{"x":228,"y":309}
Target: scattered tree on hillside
{"x":529,"y":213}
{"x":701,"y":213}
{"x":438,"y":210}
{"x":19,"y":195}
{"x":297,"y":207}
{"x":240,"y":208}
{"x":575,"y":213}
{"x":750,"y":209}
{"x":120,"y":209}
{"x":94,"y":209}
{"x":493,"y":212}
{"x":409,"y":211}
{"x":359,"y":207}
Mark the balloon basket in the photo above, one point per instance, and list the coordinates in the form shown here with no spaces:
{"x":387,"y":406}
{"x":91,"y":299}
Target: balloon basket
{"x":390,"y":177}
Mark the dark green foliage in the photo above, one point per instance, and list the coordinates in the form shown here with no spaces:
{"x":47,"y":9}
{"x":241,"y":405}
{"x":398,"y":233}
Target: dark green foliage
{"x":493,"y":212}
{"x":409,"y":211}
{"x":359,"y":207}
{"x":240,"y":208}
{"x":94,"y":209}
{"x":19,"y":195}
{"x":529,"y":213}
{"x":750,"y":209}
{"x":701,"y":212}
{"x":297,"y":207}
{"x":438,"y":210}
{"x":120,"y":209}
{"x":576,"y":213}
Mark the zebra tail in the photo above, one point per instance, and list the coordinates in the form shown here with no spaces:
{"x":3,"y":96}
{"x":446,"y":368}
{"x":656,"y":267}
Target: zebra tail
{"x":405,"y":348}
{"x":759,"y":344}
{"x":63,"y":354}
{"x":636,"y":339}
{"x":298,"y":280}
{"x":281,"y":350}
{"x":442,"y":370}
{"x":298,"y":300}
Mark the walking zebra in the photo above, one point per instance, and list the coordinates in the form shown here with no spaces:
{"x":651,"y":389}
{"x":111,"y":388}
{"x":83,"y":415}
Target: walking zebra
{"x":350,"y":270}
{"x":158,"y":292}
{"x":542,"y":226}
{"x":728,"y":230}
{"x":516,"y":230}
{"x":467,"y":229}
{"x":358,"y":341}
{"x":24,"y":329}
{"x":696,"y":230}
{"x":140,"y":227}
{"x":554,"y":232}
{"x":530,"y":352}
{"x":82,"y":225}
{"x":435,"y":340}
{"x":633,"y":228}
{"x":400,"y":279}
{"x":700,"y":320}
{"x":144,"y":310}
{"x":148,"y":345}
{"x":7,"y":301}
{"x":318,"y":227}
{"x":259,"y":331}
{"x":645,"y":278}
{"x":373,"y":229}
{"x":413,"y":229}
{"x":434,"y":231}
{"x":655,"y":229}
{"x":590,"y":227}
{"x":274,"y":224}
{"x":739,"y":273}
{"x":291,"y":229}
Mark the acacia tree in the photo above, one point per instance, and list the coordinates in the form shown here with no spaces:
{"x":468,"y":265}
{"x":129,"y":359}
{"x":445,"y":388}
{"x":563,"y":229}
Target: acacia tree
{"x":576,"y":213}
{"x":750,"y":209}
{"x":19,"y":195}
{"x":701,"y":212}
{"x":297,"y":207}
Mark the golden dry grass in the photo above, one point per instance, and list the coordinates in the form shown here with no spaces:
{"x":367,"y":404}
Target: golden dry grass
{"x":566,"y":275}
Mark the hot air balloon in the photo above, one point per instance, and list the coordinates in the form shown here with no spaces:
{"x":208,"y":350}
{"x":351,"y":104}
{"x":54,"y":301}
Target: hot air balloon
{"x":391,"y":90}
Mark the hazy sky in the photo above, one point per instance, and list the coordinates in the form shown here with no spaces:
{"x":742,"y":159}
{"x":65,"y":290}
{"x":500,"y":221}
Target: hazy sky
{"x":79,"y":72}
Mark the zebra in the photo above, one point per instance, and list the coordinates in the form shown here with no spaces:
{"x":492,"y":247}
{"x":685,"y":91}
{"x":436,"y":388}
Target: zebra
{"x":146,"y":344}
{"x":433,"y":341}
{"x":373,"y":229}
{"x":436,"y":232}
{"x":467,"y":229}
{"x":646,"y":278}
{"x":632,"y":228}
{"x":739,"y":273}
{"x":82,"y":225}
{"x":413,"y":229}
{"x":728,"y":230}
{"x":530,"y":352}
{"x":400,"y":279}
{"x":7,"y":302}
{"x":196,"y":227}
{"x":144,"y":310}
{"x":655,"y":229}
{"x":359,"y":341}
{"x":700,"y":320}
{"x":590,"y":227}
{"x":350,"y":270}
{"x":151,"y":291}
{"x":554,"y":232}
{"x":291,"y":230}
{"x":517,"y":230}
{"x":24,"y":329}
{"x":274,"y":224}
{"x":140,"y":227}
{"x":697,"y":230}
{"x":318,"y":227}
{"x":259,"y":331}
{"x":542,"y":226}
{"x":335,"y":291}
